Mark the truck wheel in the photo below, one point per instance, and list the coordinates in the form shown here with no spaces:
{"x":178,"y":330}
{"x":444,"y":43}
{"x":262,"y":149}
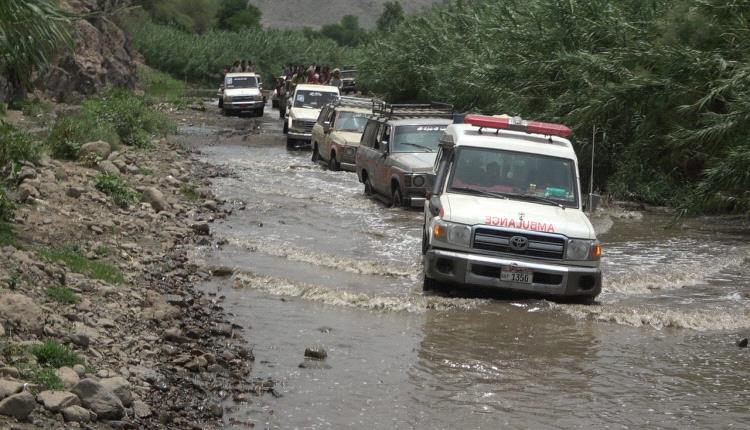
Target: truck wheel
{"x":315,"y":154}
{"x":334,"y":165}
{"x":368,"y":186}
{"x":260,"y":111}
{"x":425,"y":241}
{"x":290,"y":144}
{"x":397,"y":201}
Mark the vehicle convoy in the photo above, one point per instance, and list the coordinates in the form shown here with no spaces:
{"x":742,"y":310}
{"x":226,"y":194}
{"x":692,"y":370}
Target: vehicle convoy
{"x":349,"y":78}
{"x":241,"y":92}
{"x":396,"y":155}
{"x":304,"y":110}
{"x":506,"y":211}
{"x":336,"y":135}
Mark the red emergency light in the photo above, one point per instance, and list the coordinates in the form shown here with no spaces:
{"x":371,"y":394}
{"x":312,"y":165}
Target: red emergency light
{"x":518,"y":124}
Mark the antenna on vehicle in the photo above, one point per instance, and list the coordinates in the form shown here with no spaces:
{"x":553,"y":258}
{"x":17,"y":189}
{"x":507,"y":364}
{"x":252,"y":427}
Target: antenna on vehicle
{"x":591,"y":179}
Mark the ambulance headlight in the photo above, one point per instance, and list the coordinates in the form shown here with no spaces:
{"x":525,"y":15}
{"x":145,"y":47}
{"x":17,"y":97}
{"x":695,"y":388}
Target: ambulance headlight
{"x":581,"y":250}
{"x":452,"y":233}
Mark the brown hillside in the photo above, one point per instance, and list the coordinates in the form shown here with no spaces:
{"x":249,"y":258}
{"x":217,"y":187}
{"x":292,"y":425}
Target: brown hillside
{"x":315,"y":13}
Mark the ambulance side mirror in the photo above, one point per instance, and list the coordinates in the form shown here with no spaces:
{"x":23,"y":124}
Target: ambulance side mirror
{"x":435,"y":205}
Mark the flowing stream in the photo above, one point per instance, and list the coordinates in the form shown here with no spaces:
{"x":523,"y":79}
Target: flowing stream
{"x":317,"y":263}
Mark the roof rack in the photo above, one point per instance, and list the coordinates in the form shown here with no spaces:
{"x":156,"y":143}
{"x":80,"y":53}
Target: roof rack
{"x":356,"y":102}
{"x":420,"y":110}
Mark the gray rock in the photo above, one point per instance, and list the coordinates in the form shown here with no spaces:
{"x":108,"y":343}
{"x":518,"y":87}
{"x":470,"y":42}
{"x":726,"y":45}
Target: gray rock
{"x":141,"y":409}
{"x":121,"y":387}
{"x":78,"y":414}
{"x":26,"y":173}
{"x":80,"y":370}
{"x":8,"y":388}
{"x":107,"y":166}
{"x":27,"y":191}
{"x":57,"y":400}
{"x":100,"y":148}
{"x":11,"y":372}
{"x":316,"y":352}
{"x":155,"y":198}
{"x":211,"y":205}
{"x":80,"y":339}
{"x":95,"y":396}
{"x":21,"y":312}
{"x":202,"y":228}
{"x":18,"y":405}
{"x":68,"y":376}
{"x":74,"y":192}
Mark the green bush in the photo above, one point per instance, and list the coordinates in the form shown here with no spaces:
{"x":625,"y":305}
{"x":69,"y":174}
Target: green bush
{"x":129,"y":114}
{"x":69,"y":133}
{"x":159,"y":86}
{"x":15,"y":146}
{"x":6,"y":206}
{"x":117,"y":116}
{"x":62,"y":295}
{"x":35,"y":107}
{"x":112,"y":185}
{"x":55,"y":355}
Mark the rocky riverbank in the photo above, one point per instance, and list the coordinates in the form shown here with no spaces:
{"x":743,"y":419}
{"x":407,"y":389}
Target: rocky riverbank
{"x":101,"y":324}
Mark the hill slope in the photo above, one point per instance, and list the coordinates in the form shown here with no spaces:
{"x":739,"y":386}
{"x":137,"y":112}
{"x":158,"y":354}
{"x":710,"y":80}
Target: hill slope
{"x":315,"y":13}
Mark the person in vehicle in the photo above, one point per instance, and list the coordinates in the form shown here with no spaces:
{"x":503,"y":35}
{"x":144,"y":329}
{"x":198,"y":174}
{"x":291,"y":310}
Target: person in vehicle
{"x":336,"y":80}
{"x":236,"y":67}
{"x":243,"y":66}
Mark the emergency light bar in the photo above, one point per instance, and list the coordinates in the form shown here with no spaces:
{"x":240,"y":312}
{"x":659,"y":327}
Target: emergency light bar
{"x":518,"y":124}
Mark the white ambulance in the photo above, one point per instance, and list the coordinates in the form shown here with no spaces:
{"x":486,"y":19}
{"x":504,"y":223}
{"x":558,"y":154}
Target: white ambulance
{"x":506,"y":212}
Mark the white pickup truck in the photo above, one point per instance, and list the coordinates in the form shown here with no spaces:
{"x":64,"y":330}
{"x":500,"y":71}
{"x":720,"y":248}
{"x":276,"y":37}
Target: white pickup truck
{"x":506,"y":212}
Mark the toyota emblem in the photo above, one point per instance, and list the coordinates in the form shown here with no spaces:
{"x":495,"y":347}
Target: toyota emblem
{"x":519,"y":243}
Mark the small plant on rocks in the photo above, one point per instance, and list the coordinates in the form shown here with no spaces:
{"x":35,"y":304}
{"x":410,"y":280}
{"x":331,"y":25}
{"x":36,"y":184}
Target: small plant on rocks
{"x":90,"y":160}
{"x":190,"y":192}
{"x":77,"y":262}
{"x":62,"y":295}
{"x":55,"y":355}
{"x":113,"y":186}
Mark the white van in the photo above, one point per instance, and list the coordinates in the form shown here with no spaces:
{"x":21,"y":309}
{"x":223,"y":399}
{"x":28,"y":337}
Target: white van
{"x":506,"y":211}
{"x":304,"y":110}
{"x":241,"y":92}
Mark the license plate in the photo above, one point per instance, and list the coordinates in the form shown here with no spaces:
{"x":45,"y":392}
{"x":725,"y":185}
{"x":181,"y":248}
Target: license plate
{"x":517,"y":275}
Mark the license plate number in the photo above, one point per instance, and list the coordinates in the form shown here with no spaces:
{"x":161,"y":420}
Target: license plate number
{"x":519,"y":276}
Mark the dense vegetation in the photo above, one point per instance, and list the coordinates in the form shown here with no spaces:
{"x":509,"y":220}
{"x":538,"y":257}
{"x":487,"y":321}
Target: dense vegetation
{"x":201,"y":58}
{"x":667,"y":81}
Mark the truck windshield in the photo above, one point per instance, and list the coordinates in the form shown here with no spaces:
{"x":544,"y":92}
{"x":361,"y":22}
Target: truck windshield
{"x":314,"y":99}
{"x":351,"y":121}
{"x":417,"y":138}
{"x":241,"y":82}
{"x":514,"y":175}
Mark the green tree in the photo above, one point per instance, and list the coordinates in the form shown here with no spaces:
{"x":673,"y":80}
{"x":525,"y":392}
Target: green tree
{"x":30,"y":35}
{"x":393,"y":14}
{"x":347,"y":32}
{"x":235,"y":15}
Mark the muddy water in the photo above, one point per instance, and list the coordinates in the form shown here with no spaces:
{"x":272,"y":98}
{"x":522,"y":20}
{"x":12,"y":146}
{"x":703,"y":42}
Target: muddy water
{"x":319,"y":264}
